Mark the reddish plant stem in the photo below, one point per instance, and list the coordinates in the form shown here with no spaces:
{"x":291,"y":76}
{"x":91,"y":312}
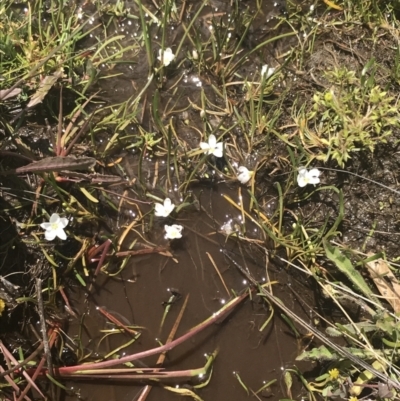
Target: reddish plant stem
{"x":145,"y":251}
{"x":68,"y":305}
{"x":161,"y":375}
{"x":68,"y":370}
{"x":117,"y":322}
{"x":104,"y":248}
{"x":53,"y":336}
{"x":8,"y":356}
{"x":156,"y":249}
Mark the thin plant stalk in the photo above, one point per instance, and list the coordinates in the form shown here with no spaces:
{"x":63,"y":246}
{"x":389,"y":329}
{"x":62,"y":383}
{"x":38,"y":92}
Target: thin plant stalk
{"x":65,"y":371}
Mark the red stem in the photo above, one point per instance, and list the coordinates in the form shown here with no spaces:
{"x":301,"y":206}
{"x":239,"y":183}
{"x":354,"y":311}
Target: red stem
{"x":65,"y":371}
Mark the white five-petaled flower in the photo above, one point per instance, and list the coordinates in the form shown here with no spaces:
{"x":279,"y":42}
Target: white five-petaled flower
{"x":55,"y":227}
{"x":213,"y":147}
{"x":173,"y":232}
{"x":267,"y":71}
{"x":166,"y":56}
{"x":244,"y":175}
{"x":164,"y":210}
{"x":305,"y":176}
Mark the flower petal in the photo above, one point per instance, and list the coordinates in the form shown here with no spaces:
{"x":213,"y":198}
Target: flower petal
{"x":212,"y":141}
{"x":302,"y":171}
{"x":313,"y":180}
{"x":219,"y":149}
{"x":159,"y":210}
{"x":302,"y":177}
{"x":54,"y":218}
{"x":168,"y":207}
{"x":204,"y":146}
{"x":244,"y":175}
{"x":63,"y":222}
{"x":45,"y":226}
{"x":314,"y":172}
{"x":168,"y":204}
{"x":50,"y":235}
{"x":177,"y":227}
{"x":301,"y":181}
{"x":60,"y":233}
{"x":173,"y":232}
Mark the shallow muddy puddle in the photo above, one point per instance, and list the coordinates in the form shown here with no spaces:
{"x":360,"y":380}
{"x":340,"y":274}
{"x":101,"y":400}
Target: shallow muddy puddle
{"x":138,"y":297}
{"x":195,"y":268}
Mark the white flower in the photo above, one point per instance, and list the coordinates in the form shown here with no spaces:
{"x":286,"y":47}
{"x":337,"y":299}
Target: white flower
{"x":195,"y":54}
{"x":267,"y":71}
{"x":173,"y":232}
{"x":213,"y":147}
{"x":55,"y":227}
{"x":164,"y":210}
{"x":305,"y":176}
{"x":166,"y":56}
{"x":227,"y":228}
{"x":244,"y":175}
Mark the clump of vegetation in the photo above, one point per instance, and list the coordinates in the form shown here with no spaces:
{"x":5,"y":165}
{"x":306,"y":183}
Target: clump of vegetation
{"x":354,"y":113}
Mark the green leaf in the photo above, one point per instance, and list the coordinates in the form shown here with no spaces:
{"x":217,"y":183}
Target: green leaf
{"x":318,"y":354}
{"x":322,"y":353}
{"x":349,"y":328}
{"x":344,"y":264}
{"x":88,"y":195}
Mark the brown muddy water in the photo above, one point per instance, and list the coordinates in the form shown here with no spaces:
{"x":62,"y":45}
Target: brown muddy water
{"x":139,"y":294}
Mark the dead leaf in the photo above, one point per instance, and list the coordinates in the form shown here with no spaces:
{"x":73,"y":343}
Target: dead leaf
{"x":44,"y":87}
{"x":6,"y":94}
{"x":385,"y":281}
{"x":57,"y":163}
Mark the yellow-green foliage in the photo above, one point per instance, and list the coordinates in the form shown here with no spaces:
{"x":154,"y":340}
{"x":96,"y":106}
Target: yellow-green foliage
{"x":353,"y":114}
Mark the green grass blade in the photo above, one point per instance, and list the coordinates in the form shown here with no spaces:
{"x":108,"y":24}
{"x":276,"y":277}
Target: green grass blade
{"x":344,"y":264}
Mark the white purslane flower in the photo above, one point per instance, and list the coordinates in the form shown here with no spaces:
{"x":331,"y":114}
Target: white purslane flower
{"x":244,"y":175}
{"x":305,"y":176}
{"x":227,"y":228}
{"x":164,"y":210}
{"x":166,"y":56}
{"x":173,"y":232}
{"x":55,"y":227}
{"x":213,"y":147}
{"x":267,"y":71}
